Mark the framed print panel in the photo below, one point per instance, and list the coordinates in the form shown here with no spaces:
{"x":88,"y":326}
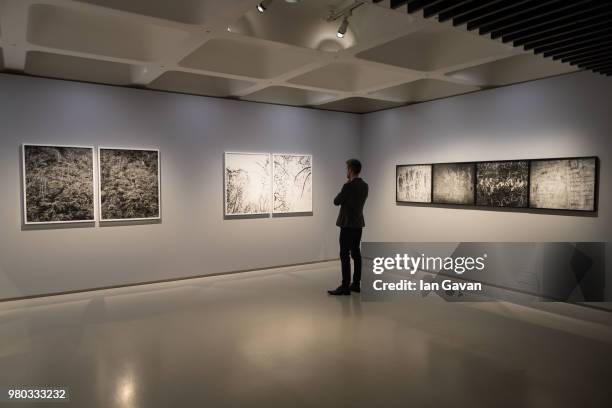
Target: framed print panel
{"x":413,"y":183}
{"x":564,"y":184}
{"x":247,"y":183}
{"x":502,"y":183}
{"x":58,"y":184}
{"x":454,"y":183}
{"x":291,"y":183}
{"x":130,"y":184}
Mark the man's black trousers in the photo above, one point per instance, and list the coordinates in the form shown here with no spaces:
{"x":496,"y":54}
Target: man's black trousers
{"x":350,"y":238}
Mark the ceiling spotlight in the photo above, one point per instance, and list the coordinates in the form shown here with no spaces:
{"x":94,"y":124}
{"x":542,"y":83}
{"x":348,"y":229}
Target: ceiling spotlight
{"x":344,"y":14}
{"x":343,"y":27}
{"x":262,"y":6}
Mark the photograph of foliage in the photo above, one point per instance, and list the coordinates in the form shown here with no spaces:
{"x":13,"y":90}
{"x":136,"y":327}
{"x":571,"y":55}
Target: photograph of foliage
{"x":564,"y":184}
{"x":502,"y":184}
{"x":58,"y":184}
{"x":247,"y":183}
{"x":292,"y":184}
{"x":453,"y":183}
{"x":129,"y":184}
{"x":413,"y":183}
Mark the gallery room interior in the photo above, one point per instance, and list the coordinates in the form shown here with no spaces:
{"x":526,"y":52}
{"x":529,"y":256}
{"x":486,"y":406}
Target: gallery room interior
{"x":173,"y":172}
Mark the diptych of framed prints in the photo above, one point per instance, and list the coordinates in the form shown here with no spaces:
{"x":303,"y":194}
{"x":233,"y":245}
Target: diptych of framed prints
{"x":58,"y":184}
{"x":264,"y":183}
{"x":552,"y":184}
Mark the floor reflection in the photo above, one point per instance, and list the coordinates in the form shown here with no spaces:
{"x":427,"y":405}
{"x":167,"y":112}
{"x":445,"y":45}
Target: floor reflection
{"x":274,"y":338}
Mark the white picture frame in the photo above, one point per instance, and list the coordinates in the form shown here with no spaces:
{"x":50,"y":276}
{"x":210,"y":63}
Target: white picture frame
{"x":307,"y":206}
{"x":229,"y":158}
{"x":159,"y":190}
{"x":24,"y":184}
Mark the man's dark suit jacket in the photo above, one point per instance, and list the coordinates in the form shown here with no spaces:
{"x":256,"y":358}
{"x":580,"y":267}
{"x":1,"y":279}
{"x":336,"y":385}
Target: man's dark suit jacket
{"x":351,"y":200}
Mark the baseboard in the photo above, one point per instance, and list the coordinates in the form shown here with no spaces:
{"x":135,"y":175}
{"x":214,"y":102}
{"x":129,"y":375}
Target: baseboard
{"x":127,"y":285}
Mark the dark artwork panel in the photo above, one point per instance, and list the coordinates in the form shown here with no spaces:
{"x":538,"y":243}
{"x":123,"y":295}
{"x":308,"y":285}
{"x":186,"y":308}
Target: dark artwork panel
{"x":58,"y":184}
{"x":563,"y":184}
{"x":453,"y":183}
{"x":413,"y":183}
{"x":503,"y":184}
{"x":129,"y":184}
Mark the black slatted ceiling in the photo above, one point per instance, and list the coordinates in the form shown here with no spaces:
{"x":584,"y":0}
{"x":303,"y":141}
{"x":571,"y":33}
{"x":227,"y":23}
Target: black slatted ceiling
{"x":578,"y":32}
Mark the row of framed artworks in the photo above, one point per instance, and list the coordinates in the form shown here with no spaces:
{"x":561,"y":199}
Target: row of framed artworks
{"x":569,"y":183}
{"x":58,"y":184}
{"x":59,"y":187}
{"x":267,"y":183}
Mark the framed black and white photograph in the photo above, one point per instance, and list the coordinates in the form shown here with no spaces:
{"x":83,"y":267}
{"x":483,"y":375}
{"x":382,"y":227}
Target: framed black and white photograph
{"x":129,"y":184}
{"x":58,"y":184}
{"x":502,"y":183}
{"x":247,"y":183}
{"x":564,"y":184}
{"x":292,"y":183}
{"x":413,"y":183}
{"x":454,"y":183}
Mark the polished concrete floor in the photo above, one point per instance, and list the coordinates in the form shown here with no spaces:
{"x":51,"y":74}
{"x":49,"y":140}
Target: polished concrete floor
{"x":275,"y":339}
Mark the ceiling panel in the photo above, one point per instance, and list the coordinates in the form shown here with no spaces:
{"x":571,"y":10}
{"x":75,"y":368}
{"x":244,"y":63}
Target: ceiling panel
{"x":76,"y":68}
{"x":423,"y":90}
{"x":289,"y":96}
{"x":348,"y":77}
{"x":511,"y":70}
{"x":88,"y":32}
{"x":359,"y":105}
{"x":199,"y":84}
{"x":433,"y":48}
{"x":246,"y":58}
{"x":183,"y":11}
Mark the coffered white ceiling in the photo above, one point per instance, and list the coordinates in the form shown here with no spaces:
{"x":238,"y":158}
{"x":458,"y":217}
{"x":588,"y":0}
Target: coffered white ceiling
{"x":288,"y":55}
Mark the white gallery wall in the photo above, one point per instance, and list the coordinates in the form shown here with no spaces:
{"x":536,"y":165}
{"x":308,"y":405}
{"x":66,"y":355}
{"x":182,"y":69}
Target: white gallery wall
{"x":562,"y":116}
{"x":568,"y":115}
{"x":192,"y":134}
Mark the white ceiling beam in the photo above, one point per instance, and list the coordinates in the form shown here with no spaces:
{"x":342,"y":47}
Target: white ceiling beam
{"x":14,"y":25}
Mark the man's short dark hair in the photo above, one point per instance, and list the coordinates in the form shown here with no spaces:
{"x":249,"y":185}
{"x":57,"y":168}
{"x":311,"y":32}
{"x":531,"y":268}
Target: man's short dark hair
{"x":354,"y":165}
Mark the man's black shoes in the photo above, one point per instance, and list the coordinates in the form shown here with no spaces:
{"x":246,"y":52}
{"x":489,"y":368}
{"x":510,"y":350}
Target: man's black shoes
{"x":345,"y":291}
{"x":340,"y":291}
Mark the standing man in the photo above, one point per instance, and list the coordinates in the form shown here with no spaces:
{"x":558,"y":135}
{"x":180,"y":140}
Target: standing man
{"x":351,"y":200}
